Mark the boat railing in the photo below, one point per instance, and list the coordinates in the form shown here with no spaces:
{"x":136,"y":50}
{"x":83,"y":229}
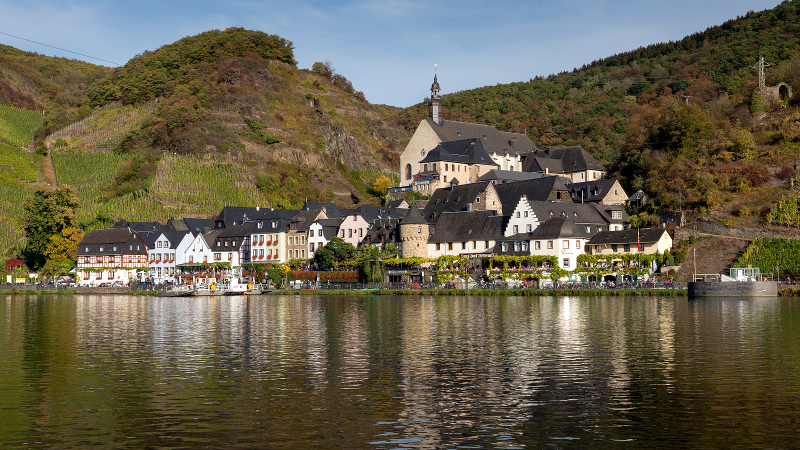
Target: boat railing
{"x":707,"y":277}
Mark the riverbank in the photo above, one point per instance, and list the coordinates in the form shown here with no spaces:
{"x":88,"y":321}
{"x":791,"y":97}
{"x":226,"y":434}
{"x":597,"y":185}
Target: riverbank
{"x":501,"y":292}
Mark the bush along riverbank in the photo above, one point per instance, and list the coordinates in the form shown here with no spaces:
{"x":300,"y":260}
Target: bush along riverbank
{"x":501,"y":292}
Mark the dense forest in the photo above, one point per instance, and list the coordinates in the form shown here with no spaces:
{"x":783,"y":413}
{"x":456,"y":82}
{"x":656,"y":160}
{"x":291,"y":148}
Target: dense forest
{"x":680,"y":120}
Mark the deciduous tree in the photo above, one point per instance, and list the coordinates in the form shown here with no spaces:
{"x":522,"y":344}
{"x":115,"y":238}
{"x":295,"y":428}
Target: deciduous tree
{"x":48,"y":211}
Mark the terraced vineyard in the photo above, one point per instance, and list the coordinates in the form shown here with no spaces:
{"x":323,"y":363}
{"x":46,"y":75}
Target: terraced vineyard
{"x":88,"y":172}
{"x":12,"y":195}
{"x":196,"y":185}
{"x":16,"y":163}
{"x":17,"y":125}
{"x":104,"y":128}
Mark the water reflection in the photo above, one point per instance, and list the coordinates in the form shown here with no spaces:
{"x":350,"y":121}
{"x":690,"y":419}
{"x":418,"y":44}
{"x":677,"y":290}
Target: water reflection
{"x":379,"y":372}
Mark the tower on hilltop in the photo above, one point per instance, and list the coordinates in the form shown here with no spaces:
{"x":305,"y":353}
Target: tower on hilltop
{"x":435,"y":105}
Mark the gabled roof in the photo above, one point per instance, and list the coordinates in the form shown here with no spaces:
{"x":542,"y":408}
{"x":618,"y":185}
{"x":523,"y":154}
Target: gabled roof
{"x":606,"y":210}
{"x":537,"y":189}
{"x":463,"y":151}
{"x":492,"y":140}
{"x":140,"y":226}
{"x":197,"y":225}
{"x":237,"y":215}
{"x":638,"y":195}
{"x":644,"y":235}
{"x":175,"y":237}
{"x":305,"y":218}
{"x":452,"y":199}
{"x":511,"y":175}
{"x":331,"y":210}
{"x":414,"y":217}
{"x":382,"y":228}
{"x":464,"y":226}
{"x":373,"y":213}
{"x":578,"y":213}
{"x":573,"y":159}
{"x":107,"y":236}
{"x":398,"y":204}
{"x":560,"y":227}
{"x":593,"y":191}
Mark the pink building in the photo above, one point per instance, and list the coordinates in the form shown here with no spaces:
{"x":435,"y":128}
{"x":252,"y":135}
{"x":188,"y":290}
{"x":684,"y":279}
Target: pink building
{"x":353,"y":229}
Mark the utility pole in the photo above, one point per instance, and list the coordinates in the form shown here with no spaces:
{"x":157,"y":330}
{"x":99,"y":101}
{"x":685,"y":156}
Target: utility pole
{"x":686,"y":98}
{"x":760,"y":66}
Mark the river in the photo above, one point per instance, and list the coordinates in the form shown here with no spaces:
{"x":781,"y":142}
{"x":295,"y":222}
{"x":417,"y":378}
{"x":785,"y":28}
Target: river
{"x":379,"y":372}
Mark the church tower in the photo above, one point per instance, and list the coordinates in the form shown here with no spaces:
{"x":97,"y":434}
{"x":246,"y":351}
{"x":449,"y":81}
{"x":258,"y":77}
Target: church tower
{"x":435,"y":106}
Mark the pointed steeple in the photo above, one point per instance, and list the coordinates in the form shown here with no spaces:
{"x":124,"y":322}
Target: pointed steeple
{"x":435,"y":105}
{"x":414,"y":217}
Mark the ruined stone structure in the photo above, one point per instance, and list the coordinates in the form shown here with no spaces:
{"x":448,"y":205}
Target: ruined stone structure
{"x":771,"y":95}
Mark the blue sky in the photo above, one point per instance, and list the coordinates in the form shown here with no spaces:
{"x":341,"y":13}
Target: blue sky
{"x":387,"y":48}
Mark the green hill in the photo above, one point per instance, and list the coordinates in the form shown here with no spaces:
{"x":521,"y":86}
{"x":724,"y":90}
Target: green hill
{"x":725,"y":150}
{"x":220,"y":118}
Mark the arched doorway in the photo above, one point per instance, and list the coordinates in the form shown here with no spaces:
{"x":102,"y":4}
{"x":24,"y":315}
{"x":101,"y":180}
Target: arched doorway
{"x":783,"y":92}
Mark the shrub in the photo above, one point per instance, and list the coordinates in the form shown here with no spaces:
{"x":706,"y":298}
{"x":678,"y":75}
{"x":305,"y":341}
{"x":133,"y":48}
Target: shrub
{"x":786,"y":173}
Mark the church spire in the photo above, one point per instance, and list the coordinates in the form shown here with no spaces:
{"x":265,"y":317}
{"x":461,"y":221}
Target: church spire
{"x":435,"y":105}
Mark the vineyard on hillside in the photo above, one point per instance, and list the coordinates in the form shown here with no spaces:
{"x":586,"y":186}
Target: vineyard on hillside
{"x":17,"y":125}
{"x":16,"y":163}
{"x":202,"y":186}
{"x":88,"y":172}
{"x":772,"y":254}
{"x":12,"y":195}
{"x":104,"y":128}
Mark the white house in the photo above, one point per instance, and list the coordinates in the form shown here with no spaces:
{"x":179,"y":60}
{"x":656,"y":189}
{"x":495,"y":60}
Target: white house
{"x":169,"y":250}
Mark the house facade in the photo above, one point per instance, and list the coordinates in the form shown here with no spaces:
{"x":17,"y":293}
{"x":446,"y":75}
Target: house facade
{"x":115,"y":255}
{"x":646,"y":240}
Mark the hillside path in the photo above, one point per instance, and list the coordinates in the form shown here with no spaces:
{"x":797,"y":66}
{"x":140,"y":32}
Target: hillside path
{"x":48,"y":171}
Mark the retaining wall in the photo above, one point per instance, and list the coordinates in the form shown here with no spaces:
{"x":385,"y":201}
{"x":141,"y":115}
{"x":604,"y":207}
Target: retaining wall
{"x":733,"y":289}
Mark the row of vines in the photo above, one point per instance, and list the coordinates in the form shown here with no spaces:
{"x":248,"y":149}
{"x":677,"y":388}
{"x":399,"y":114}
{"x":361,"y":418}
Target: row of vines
{"x":772,"y":254}
{"x":17,"y":125}
{"x":17,"y":163}
{"x":104,"y":128}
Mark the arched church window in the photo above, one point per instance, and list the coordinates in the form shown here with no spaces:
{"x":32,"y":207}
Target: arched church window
{"x":408,"y":171}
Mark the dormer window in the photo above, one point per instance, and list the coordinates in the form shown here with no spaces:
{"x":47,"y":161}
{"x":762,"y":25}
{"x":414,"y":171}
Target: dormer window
{"x":260,"y":225}
{"x":226,"y":243}
{"x":101,"y":249}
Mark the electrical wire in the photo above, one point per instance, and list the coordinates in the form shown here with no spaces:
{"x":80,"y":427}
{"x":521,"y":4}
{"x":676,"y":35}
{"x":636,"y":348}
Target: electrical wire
{"x":59,"y":48}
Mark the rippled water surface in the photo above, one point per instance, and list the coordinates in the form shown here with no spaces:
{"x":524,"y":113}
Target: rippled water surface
{"x":398,"y":372}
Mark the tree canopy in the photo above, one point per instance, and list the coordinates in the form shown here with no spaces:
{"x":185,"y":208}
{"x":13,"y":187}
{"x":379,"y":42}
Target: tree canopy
{"x":48,"y":211}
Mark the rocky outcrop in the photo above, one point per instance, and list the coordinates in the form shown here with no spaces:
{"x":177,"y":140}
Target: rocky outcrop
{"x":345,"y":148}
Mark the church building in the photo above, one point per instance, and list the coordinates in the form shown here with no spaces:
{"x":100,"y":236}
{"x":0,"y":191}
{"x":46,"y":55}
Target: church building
{"x":507,"y":150}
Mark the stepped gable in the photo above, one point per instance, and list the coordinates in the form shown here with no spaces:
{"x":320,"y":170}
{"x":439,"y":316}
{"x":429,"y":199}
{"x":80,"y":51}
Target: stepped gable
{"x":627,"y":236}
{"x":452,"y":199}
{"x":462,"y":151}
{"x":537,"y":189}
{"x":331,"y":210}
{"x":593,"y":191}
{"x":460,"y":226}
{"x":492,"y":140}
{"x":414,"y":217}
{"x":573,"y":159}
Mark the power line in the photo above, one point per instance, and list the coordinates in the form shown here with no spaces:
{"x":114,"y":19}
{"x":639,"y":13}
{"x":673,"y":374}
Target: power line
{"x":62,"y":49}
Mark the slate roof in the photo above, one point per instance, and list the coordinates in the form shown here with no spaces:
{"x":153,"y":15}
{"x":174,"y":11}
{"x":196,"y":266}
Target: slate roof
{"x":331,"y":210}
{"x":398,"y":204}
{"x":593,"y":191}
{"x":383,"y":228}
{"x":305,"y":218}
{"x":552,"y":228}
{"x":582,"y":214}
{"x":573,"y":159}
{"x":497,"y":174}
{"x":463,"y":151}
{"x":421,"y":204}
{"x":644,"y":235}
{"x":112,"y":241}
{"x":373,"y":213}
{"x":236,"y":215}
{"x":460,"y":226}
{"x":492,"y":140}
{"x":452,"y":199}
{"x":140,"y":226}
{"x":537,"y":189}
{"x":605,"y":211}
{"x":197,"y":225}
{"x":414,"y":217}
{"x":175,"y":237}
{"x":234,"y":236}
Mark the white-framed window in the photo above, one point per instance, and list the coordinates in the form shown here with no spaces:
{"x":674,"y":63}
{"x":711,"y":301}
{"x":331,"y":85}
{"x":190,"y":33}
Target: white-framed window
{"x":550,"y":245}
{"x":538,"y":245}
{"x":529,"y":228}
{"x":566,"y":263}
{"x":516,"y":228}
{"x":565,"y":244}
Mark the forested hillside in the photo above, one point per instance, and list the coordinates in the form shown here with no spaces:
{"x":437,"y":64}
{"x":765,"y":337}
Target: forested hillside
{"x":678,"y":118}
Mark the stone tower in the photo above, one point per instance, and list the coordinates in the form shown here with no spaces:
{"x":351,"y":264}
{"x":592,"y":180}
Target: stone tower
{"x":414,"y":232}
{"x":436,"y":106}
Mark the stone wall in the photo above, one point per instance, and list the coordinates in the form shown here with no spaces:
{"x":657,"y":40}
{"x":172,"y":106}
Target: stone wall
{"x":415,"y":243}
{"x":714,"y":228}
{"x":772,"y":94}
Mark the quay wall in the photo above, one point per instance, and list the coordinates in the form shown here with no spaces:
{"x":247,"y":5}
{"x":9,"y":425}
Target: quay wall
{"x":733,"y":289}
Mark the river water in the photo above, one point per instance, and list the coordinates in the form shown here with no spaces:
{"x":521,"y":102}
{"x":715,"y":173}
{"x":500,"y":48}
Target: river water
{"x":398,"y":372}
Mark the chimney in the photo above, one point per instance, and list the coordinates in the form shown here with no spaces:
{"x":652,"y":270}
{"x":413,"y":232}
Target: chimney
{"x":205,"y":230}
